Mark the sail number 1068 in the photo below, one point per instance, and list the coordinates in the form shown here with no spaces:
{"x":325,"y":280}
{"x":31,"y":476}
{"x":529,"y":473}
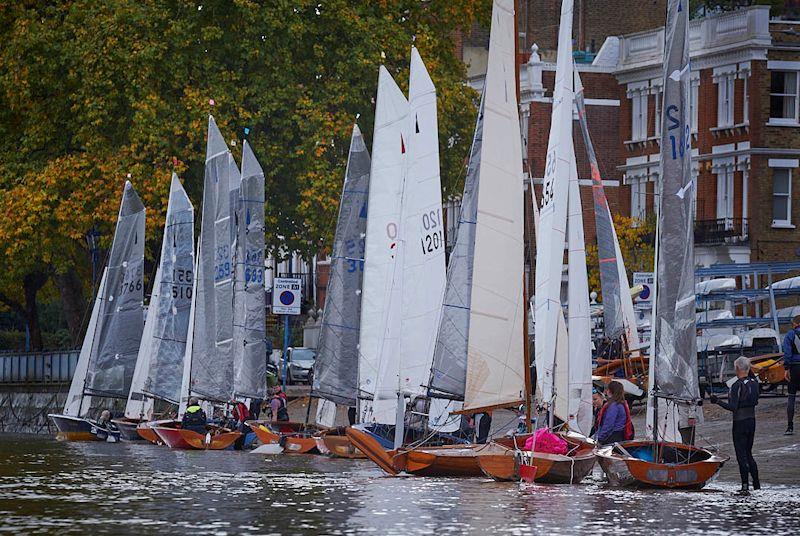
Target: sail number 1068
{"x":433,"y":235}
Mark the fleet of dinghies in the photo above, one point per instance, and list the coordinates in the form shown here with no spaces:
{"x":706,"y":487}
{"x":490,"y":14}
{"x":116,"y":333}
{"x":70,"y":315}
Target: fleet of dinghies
{"x":401,"y":328}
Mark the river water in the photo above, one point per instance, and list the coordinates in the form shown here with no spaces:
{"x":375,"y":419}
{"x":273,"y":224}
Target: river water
{"x":73,"y":488}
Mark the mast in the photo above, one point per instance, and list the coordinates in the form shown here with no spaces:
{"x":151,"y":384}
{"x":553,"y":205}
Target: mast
{"x":249,"y":330}
{"x":336,"y":366}
{"x":674,"y":357}
{"x":379,"y":317}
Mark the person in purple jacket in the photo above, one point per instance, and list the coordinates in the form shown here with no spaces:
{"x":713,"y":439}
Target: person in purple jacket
{"x":791,"y":362}
{"x":613,"y":419}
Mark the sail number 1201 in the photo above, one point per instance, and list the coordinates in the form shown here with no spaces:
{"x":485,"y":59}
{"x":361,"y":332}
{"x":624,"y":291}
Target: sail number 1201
{"x":432,"y":238}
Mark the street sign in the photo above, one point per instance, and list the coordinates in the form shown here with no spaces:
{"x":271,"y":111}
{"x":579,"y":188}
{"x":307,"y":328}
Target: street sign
{"x":286,"y":296}
{"x":646,"y":280}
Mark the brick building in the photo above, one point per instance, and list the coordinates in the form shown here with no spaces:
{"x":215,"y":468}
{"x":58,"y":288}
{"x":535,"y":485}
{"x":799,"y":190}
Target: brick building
{"x":746,"y":130}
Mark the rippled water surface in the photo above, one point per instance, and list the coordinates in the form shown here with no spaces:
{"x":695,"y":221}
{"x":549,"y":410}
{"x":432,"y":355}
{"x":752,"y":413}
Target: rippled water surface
{"x":51,"y":487}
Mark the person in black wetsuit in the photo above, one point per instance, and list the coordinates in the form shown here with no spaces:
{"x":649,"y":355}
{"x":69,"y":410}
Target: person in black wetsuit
{"x":484,"y":425}
{"x":194,"y":418}
{"x":742,"y":401}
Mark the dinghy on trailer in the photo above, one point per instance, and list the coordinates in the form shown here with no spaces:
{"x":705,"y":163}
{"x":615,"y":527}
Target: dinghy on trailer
{"x":674,"y":397}
{"x":108,"y":355}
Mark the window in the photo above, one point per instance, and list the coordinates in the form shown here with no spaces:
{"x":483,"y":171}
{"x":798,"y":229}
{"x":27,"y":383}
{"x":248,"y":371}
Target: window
{"x":639,"y":119}
{"x":725,"y":193}
{"x":639,"y":198}
{"x":657,"y":93}
{"x":783,"y":96}
{"x":745,"y":101}
{"x":725,"y":101}
{"x":693,"y":103}
{"x":781,"y":197}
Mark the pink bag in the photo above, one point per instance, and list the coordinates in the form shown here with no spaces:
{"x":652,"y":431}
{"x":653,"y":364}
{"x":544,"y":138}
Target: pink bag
{"x":547,"y":442}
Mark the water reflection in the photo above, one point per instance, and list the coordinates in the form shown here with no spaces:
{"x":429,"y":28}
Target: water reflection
{"x":48,"y":487}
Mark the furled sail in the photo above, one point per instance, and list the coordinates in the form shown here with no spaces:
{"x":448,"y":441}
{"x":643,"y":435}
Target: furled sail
{"x":379,"y":322}
{"x":336,"y":365}
{"x":449,"y":370}
{"x":76,"y":400}
{"x":250,"y":323}
{"x":495,"y":364}
{"x":163,"y":345}
{"x":551,"y":235}
{"x":618,"y":314}
{"x":119,"y":332}
{"x":673,"y":367}
{"x":210,"y":354}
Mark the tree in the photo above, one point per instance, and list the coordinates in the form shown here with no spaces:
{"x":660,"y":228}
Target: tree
{"x":636,"y":243}
{"x":97,"y":92}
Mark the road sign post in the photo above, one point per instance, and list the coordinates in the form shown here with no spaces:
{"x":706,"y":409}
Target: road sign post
{"x":286,"y":299}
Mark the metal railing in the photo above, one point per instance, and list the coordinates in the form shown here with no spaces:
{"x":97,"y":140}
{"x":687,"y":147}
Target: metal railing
{"x":38,"y":367}
{"x":722,"y":231}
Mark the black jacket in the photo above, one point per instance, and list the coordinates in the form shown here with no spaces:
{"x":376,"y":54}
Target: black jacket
{"x":743,"y":398}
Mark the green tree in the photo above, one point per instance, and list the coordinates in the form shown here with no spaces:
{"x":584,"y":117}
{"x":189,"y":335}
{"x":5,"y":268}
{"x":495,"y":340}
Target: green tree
{"x":96,"y":92}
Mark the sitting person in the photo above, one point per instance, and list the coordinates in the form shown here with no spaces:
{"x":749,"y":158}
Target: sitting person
{"x":104,"y":421}
{"x":194,"y":418}
{"x":278,"y":405}
{"x":614,"y":419}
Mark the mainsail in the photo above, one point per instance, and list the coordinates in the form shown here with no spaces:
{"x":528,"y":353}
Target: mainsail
{"x":379,"y":322}
{"x":336,"y":365}
{"x":551,"y":235}
{"x":119,"y":331}
{"x":249,"y":330}
{"x":618,"y":314}
{"x":495,"y":364}
{"x":210,"y":355}
{"x":76,"y":401}
{"x":422,"y":231}
{"x":163,"y":346}
{"x":673,"y":369}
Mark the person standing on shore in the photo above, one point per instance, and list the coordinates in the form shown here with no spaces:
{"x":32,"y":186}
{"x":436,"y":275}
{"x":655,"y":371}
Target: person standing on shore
{"x":742,"y":401}
{"x":791,"y":362}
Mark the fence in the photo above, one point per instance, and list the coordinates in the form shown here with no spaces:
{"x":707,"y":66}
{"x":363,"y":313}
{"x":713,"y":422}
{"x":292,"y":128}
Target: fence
{"x":38,"y":367}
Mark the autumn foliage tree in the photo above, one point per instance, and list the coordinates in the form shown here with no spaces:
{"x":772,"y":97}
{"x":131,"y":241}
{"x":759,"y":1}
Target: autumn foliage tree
{"x":97,"y":92}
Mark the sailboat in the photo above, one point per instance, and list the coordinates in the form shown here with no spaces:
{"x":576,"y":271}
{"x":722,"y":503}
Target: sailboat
{"x":662,"y":461}
{"x":479,"y":357}
{"x":157,"y":375}
{"x":563,"y":353}
{"x":108,"y":355}
{"x":208,"y":361}
{"x":336,"y":366}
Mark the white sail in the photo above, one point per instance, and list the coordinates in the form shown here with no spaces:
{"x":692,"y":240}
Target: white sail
{"x":75,"y":398}
{"x":628,"y":313}
{"x":495,"y":364}
{"x":579,"y":388}
{"x":551,"y":237}
{"x":381,"y":250}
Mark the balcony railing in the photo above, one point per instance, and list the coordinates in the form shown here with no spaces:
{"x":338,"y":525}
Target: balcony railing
{"x":722,"y":231}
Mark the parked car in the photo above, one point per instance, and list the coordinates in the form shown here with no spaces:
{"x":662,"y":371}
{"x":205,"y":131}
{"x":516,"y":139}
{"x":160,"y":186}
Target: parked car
{"x":299,"y":365}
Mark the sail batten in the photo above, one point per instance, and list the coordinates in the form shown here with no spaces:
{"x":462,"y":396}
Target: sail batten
{"x":336,"y":366}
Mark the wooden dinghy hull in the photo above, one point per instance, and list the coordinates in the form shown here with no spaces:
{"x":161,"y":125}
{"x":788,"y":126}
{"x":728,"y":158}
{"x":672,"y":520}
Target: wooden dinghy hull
{"x":146,"y":432}
{"x":171,"y":437}
{"x":500,"y":462}
{"x":219,"y":440}
{"x":623,"y":469}
{"x":128,"y":429}
{"x":446,"y":461}
{"x":73,"y":428}
{"x":294,"y":437}
{"x":339,"y":446}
